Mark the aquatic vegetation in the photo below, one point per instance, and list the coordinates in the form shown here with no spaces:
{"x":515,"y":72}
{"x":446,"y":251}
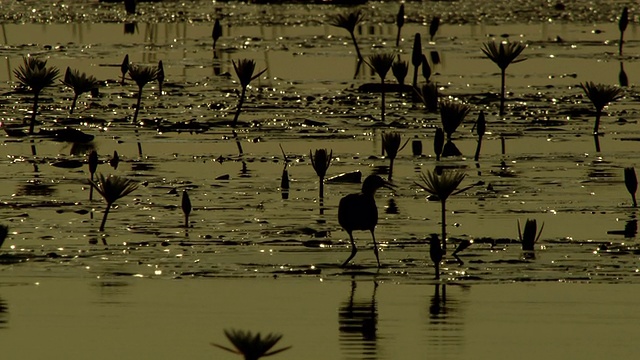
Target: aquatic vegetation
{"x":435,"y":253}
{"x":503,"y":55}
{"x":622,"y":26}
{"x":400,"y":23}
{"x":631,"y":182}
{"x":216,"y":33}
{"x":438,"y":143}
{"x":93,"y":167}
{"x":400,"y":69}
{"x":124,"y":67}
{"x":381,"y":64}
{"x":252,"y":346}
{"x":348,"y":21}
{"x":416,"y":147}
{"x":112,"y":188}
{"x":451,"y":115}
{"x":142,"y":75}
{"x":623,"y":79}
{"x":416,"y":59}
{"x":284,"y":180}
{"x":433,"y":26}
{"x":600,"y":95}
{"x":481,"y":126}
{"x":80,"y":83}
{"x":359,"y":212}
{"x":160,"y":77}
{"x":245,"y":70}
{"x":321,"y":160}
{"x":429,"y":95}
{"x":4,"y":231}
{"x":392,"y":144}
{"x":186,"y":207}
{"x":530,"y":235}
{"x":442,"y":186}
{"x":35,"y":75}
{"x":130,"y":6}
{"x":426,"y":69}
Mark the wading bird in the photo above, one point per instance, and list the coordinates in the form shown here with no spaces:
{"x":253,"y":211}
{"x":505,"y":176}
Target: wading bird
{"x":359,"y":212}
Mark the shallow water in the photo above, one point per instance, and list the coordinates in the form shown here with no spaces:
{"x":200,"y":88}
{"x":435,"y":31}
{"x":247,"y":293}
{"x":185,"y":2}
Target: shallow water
{"x":242,"y":228}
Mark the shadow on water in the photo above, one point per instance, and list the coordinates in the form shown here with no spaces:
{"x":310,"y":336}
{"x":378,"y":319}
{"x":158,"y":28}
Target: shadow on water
{"x":110,"y":291}
{"x":358,"y":325}
{"x":445,"y":325}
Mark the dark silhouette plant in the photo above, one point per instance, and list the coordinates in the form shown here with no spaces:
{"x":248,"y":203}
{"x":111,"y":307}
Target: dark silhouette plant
{"x":35,"y":75}
{"x":481,"y":127}
{"x":80,"y":83}
{"x":416,"y":60}
{"x":186,"y":207}
{"x":442,"y":186}
{"x":142,"y":75}
{"x":321,"y":160}
{"x":429,"y":96}
{"x":399,"y":23}
{"x":451,"y":114}
{"x":400,"y":69}
{"x":622,"y":25}
{"x":381,"y":64}
{"x":600,"y":95}
{"x":4,"y":231}
{"x":349,"y":21}
{"x":245,"y":71}
{"x":503,"y":54}
{"x":426,"y":69}
{"x":392,"y":144}
{"x":435,"y":253}
{"x":216,"y":33}
{"x":631,"y":182}
{"x":93,"y":167}
{"x":530,"y":235}
{"x":112,"y":188}
{"x":251,"y":346}
{"x":438,"y":143}
{"x":433,"y":26}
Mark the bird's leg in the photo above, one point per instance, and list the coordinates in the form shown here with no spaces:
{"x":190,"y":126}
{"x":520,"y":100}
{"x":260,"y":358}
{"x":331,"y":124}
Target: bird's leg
{"x":375,"y":247}
{"x":354,"y":250}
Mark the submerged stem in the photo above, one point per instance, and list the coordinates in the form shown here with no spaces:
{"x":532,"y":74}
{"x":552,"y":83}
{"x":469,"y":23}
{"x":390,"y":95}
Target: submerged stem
{"x":104,"y":217}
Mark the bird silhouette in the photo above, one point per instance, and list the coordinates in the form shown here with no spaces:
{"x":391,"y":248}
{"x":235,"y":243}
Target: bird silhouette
{"x":359,"y":212}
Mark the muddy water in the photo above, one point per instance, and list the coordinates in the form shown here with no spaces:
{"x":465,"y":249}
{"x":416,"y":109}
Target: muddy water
{"x":241,"y":226}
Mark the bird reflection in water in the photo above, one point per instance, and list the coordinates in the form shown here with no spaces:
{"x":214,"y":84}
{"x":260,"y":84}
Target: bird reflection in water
{"x":4,"y":314}
{"x":358,"y":325}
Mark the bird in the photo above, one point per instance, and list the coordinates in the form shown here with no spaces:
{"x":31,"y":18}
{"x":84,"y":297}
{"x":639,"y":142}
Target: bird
{"x":359,"y":212}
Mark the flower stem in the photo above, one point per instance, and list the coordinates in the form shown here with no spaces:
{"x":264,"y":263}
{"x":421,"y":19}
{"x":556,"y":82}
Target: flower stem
{"x":502,"y":89}
{"x":444,"y":227}
{"x":35,"y":111}
{"x":104,"y":217}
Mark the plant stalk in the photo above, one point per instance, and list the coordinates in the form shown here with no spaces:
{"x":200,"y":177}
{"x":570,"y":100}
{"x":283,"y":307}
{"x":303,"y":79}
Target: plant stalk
{"x":35,"y":111}
{"x":104,"y":217}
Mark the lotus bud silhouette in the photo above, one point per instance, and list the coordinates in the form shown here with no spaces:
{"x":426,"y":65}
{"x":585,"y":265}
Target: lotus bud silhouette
{"x":433,"y":26}
{"x":426,"y":69}
{"x":216,"y":33}
{"x":348,"y":21}
{"x":321,"y":160}
{"x":600,"y":95}
{"x":481,"y":126}
{"x":245,"y":70}
{"x":252,"y":346}
{"x":4,"y":231}
{"x":438,"y":143}
{"x":429,"y":96}
{"x":35,"y":75}
{"x":416,"y":58}
{"x":435,"y":253}
{"x":112,"y":188}
{"x":503,"y":54}
{"x":622,"y":26}
{"x":80,"y":83}
{"x":530,"y":235}
{"x":399,"y":23}
{"x":381,"y":64}
{"x":442,"y":186}
{"x":186,"y":207}
{"x":631,"y":182}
